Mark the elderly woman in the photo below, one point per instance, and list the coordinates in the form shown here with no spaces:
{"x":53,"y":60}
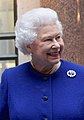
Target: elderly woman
{"x":47,"y":87}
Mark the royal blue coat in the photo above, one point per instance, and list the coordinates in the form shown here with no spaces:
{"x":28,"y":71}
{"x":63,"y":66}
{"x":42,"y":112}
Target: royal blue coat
{"x":26,"y":94}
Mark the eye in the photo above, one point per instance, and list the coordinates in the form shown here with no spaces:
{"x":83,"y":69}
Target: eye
{"x":48,"y":39}
{"x":58,"y":37}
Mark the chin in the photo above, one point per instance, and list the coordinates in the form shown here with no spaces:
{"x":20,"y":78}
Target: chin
{"x":55,"y":61}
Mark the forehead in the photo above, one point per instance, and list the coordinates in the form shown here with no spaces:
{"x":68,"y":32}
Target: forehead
{"x":48,"y":30}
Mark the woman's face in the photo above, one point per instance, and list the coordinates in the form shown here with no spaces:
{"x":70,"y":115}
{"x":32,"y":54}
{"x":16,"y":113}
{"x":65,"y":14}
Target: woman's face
{"x":49,"y":45}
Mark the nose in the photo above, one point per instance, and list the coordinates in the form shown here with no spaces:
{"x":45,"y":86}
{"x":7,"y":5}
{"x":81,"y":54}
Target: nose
{"x":55,"y":44}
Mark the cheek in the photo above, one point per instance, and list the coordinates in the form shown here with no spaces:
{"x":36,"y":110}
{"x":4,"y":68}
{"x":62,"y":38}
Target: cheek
{"x":62,"y":45}
{"x":39,"y":47}
{"x":34,"y":47}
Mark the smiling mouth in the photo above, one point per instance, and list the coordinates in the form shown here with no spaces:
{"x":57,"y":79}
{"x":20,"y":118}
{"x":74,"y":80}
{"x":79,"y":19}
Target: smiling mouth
{"x":53,"y":54}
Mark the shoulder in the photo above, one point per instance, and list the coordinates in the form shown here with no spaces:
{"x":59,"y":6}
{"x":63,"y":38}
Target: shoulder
{"x":15,"y":71}
{"x":69,"y":63}
{"x":19,"y":67}
{"x":73,"y":66}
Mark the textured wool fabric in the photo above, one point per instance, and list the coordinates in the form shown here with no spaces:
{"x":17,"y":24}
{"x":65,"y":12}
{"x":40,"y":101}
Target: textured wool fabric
{"x":26,"y":94}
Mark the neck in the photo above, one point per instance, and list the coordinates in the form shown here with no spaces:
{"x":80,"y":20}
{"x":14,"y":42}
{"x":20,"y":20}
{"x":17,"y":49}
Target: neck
{"x":46,"y":69}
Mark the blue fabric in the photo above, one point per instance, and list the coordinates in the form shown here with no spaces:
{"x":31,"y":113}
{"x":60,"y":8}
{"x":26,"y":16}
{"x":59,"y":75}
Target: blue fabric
{"x":22,"y":92}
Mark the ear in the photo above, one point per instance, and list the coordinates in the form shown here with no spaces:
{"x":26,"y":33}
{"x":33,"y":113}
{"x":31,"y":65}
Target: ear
{"x":28,"y":48}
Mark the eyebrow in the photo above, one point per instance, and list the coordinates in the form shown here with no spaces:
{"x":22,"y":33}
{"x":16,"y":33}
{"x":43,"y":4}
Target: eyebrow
{"x":49,"y":36}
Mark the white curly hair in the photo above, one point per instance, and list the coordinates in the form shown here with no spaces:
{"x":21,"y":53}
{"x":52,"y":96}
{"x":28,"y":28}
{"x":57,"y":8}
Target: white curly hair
{"x":27,"y":26}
